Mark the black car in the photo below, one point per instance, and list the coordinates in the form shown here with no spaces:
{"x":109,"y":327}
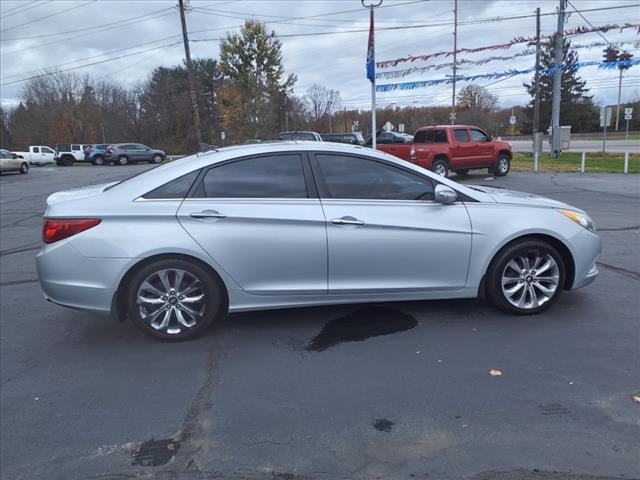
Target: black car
{"x":123,"y":153}
{"x":355,"y":138}
{"x":383,"y":138}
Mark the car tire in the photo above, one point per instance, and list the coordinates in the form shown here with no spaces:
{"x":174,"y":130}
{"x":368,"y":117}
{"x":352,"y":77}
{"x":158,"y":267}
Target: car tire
{"x":24,"y":168}
{"x":462,"y":171}
{"x":98,"y":160}
{"x":503,"y":165}
{"x":67,"y":161}
{"x":182,"y":276}
{"x":440,"y":167}
{"x":122,"y":160}
{"x":525,"y":277}
{"x":156,"y":159}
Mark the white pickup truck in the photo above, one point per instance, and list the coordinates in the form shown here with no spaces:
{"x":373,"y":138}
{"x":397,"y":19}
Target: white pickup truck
{"x":38,"y":155}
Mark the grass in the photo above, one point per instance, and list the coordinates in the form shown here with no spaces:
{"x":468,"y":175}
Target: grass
{"x":570,"y":162}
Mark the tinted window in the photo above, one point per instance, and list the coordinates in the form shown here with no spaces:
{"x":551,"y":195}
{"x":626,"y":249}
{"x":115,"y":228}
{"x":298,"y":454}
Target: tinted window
{"x":461,"y":134}
{"x":46,"y":150}
{"x":478,"y":136}
{"x":359,"y":178}
{"x":278,"y":176}
{"x":385,"y":137}
{"x":63,"y":147}
{"x":177,"y":188}
{"x":75,"y":147}
{"x":36,"y":149}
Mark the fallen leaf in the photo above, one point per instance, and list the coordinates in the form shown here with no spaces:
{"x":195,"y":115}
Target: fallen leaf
{"x":636,"y":398}
{"x":495,"y":373}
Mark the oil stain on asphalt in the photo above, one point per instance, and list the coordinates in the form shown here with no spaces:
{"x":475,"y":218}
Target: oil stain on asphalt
{"x":383,"y":425}
{"x":361,"y":325}
{"x":154,"y":452}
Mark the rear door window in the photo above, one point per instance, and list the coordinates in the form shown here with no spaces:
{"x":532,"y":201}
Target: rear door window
{"x":36,"y":149}
{"x":461,"y":134}
{"x":269,"y":176}
{"x":178,"y":188}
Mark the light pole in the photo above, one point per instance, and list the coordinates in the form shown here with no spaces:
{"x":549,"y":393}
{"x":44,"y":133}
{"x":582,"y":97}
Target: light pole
{"x":371,"y":67}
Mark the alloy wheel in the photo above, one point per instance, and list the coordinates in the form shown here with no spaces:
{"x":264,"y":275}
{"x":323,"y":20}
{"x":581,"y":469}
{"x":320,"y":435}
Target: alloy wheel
{"x":530,"y":280}
{"x":440,"y":169}
{"x":503,"y":165}
{"x":171,"y":301}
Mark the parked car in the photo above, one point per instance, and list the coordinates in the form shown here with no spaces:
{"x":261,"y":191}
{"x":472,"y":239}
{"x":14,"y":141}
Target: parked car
{"x":459,"y":148}
{"x":297,"y":224}
{"x":38,"y":155}
{"x":12,"y":162}
{"x":307,"y":136}
{"x":355,"y":138}
{"x":66,"y":154}
{"x":123,"y":153}
{"x":96,"y":154}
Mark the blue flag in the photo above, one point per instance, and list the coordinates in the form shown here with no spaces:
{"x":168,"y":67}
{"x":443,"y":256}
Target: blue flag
{"x":371,"y":57}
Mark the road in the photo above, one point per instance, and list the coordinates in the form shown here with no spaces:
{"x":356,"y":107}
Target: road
{"x":620,"y":146}
{"x":394,"y":391}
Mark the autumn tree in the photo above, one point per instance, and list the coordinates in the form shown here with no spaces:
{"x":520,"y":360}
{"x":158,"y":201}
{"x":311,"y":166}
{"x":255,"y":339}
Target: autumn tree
{"x":576,"y":106}
{"x":252,"y":69}
{"x":475,"y":97}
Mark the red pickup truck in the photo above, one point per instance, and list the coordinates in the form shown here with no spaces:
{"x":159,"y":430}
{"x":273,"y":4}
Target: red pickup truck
{"x":459,"y":148}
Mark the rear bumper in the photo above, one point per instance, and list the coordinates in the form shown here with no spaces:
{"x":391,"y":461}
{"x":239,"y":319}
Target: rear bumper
{"x":71,"y":280}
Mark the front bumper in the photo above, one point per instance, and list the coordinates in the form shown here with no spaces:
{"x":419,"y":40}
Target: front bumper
{"x":586,"y":247}
{"x":72,"y":280}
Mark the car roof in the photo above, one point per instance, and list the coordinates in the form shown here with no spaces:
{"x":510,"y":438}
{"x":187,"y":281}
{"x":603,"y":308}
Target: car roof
{"x":446,"y":126}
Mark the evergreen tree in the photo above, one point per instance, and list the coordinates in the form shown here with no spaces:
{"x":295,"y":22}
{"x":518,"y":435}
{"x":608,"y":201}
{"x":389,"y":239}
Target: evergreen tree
{"x":576,"y":107}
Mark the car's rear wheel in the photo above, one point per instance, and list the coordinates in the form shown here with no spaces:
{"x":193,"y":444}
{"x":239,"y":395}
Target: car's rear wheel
{"x":462,"y":171}
{"x":503,"y":165}
{"x":526,"y":277}
{"x":156,"y":159}
{"x":123,"y":160}
{"x":67,"y":161}
{"x":174,"y":299}
{"x":24,"y":168}
{"x":440,"y":167}
{"x":98,"y":160}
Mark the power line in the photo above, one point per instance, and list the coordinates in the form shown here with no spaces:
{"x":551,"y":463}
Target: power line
{"x":101,"y":27}
{"x":588,"y":22}
{"x":47,"y":16}
{"x":7,"y":14}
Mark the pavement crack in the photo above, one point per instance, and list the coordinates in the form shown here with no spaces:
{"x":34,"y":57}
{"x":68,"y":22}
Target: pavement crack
{"x":621,"y":271}
{"x":29,"y":248}
{"x":18,"y":282}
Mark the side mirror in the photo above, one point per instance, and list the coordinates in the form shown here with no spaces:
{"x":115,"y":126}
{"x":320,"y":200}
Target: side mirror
{"x":444,"y":194}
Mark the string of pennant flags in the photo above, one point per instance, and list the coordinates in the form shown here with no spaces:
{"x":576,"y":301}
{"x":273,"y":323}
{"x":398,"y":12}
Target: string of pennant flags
{"x":483,"y":61}
{"x":507,"y":73}
{"x":504,"y":46}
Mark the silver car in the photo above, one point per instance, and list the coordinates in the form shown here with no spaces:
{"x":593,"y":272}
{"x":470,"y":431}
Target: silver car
{"x":303,"y":223}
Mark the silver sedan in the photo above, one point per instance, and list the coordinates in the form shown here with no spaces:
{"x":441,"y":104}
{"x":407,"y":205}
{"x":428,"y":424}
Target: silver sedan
{"x":298,"y":224}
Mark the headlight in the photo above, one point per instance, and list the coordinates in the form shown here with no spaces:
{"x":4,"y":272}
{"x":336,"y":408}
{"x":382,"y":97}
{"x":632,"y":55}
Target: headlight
{"x":580,"y":218}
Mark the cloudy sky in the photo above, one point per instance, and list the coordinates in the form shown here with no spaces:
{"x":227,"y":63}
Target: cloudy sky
{"x":324,"y":41}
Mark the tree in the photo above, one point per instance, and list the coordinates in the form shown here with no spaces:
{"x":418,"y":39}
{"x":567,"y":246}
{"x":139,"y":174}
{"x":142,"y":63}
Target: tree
{"x":576,"y":107}
{"x":475,"y":97}
{"x":251,"y":67}
{"x":320,"y":103}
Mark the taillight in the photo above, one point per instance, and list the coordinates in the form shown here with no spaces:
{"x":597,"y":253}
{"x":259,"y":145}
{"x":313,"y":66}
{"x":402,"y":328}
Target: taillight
{"x":412,"y":153}
{"x":55,"y":229}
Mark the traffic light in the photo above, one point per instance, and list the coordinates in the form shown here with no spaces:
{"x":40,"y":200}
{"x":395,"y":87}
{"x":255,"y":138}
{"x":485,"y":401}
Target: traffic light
{"x":611,"y":54}
{"x":623,"y":57}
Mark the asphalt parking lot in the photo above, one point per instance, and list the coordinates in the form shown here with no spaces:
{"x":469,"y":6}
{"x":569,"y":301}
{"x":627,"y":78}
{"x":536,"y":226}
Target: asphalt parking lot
{"x":365,"y":392}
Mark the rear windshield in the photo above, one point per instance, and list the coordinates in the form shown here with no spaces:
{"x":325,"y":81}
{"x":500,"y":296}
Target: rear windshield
{"x":430,"y":136}
{"x":297,"y":136}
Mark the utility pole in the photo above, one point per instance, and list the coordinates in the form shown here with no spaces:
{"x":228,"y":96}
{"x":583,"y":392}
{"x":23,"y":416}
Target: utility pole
{"x":455,"y":48}
{"x":557,"y":82}
{"x":345,"y":120}
{"x":536,"y":102}
{"x":194,"y":95}
{"x":619,"y":95}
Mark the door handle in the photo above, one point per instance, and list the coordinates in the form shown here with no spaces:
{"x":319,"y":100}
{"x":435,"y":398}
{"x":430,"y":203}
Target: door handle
{"x":347,"y":221}
{"x":207,"y":214}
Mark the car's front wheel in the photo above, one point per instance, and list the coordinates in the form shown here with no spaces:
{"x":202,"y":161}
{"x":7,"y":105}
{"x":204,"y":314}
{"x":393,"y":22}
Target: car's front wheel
{"x":24,"y":168}
{"x":174,"y":299}
{"x":98,"y":160}
{"x":503,"y":165}
{"x":123,"y":160}
{"x":156,"y":159}
{"x":526,"y":277}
